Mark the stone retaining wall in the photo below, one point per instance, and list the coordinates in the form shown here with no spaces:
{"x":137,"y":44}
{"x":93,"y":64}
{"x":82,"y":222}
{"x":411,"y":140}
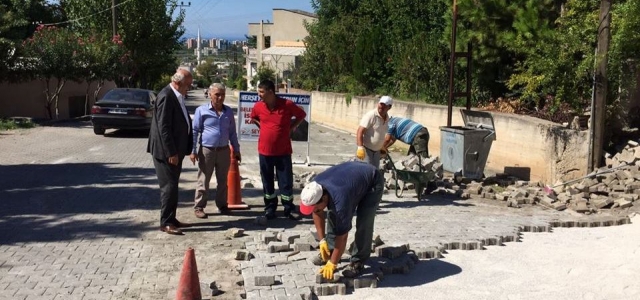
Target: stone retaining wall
{"x":543,"y":150}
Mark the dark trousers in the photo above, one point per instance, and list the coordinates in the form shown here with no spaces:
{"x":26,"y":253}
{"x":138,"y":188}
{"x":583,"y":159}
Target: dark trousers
{"x":420,"y":144}
{"x":360,"y":249}
{"x":168,"y":178}
{"x":284,"y":172}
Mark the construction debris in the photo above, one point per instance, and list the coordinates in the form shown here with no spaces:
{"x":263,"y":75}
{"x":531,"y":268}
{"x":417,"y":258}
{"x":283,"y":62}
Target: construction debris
{"x":614,"y":186}
{"x":409,"y":163}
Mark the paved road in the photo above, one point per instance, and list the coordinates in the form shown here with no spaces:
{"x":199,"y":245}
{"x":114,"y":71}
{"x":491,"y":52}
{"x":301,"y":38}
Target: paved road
{"x":79,"y":214}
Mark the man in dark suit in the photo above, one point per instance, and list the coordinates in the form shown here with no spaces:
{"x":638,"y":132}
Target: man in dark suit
{"x":170,"y":140}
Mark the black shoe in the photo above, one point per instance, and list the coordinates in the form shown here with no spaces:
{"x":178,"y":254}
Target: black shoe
{"x":292,"y":216}
{"x":270,"y":214}
{"x":353,"y":270}
{"x":224,"y":211}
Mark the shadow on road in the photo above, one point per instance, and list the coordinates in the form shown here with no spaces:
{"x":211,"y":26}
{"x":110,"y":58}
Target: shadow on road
{"x":424,"y":272}
{"x":124,"y":133}
{"x":71,"y":201}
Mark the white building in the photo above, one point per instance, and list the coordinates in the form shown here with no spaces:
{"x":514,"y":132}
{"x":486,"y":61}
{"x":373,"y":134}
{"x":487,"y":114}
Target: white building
{"x":279,"y":43}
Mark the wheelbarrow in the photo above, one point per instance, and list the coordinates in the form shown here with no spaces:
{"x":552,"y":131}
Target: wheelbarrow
{"x":421,"y":179}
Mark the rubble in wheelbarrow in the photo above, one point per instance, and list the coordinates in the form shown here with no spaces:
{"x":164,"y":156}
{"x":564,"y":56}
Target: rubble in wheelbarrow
{"x":409,"y":163}
{"x":614,"y":186}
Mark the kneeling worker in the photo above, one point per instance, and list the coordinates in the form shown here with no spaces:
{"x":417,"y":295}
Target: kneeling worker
{"x":411,"y":133}
{"x":345,"y":189}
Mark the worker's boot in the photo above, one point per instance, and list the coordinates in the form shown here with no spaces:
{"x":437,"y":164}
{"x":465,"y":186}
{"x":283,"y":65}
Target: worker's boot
{"x":270,"y":206}
{"x":353,"y":270}
{"x":290,"y":210}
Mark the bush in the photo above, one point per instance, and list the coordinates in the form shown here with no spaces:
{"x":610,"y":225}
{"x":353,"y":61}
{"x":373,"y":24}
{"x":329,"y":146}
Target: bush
{"x":241,"y":84}
{"x":264,"y":73}
{"x":10,"y":124}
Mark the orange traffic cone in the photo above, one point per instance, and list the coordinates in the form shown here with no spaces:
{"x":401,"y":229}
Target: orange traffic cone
{"x":234,"y":196}
{"x":189,"y":286}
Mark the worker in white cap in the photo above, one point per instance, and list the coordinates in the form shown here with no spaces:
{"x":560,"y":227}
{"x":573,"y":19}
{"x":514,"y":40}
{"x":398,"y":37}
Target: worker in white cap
{"x":344,"y":190}
{"x":371,"y":132}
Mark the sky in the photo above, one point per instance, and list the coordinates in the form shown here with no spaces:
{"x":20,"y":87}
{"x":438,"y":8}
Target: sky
{"x":229,"y":19}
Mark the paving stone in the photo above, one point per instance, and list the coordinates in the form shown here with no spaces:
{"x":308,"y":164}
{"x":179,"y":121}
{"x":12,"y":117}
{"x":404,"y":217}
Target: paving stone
{"x":580,"y":206}
{"x":392,"y":252}
{"x":630,"y":197}
{"x":488,"y":195}
{"x":244,"y":255}
{"x":623,"y":203}
{"x":268,"y":236}
{"x":264,"y":280}
{"x":274,"y":247}
{"x":365,"y":282}
{"x":602,"y":202}
{"x":302,"y":247}
{"x":234,"y":232}
{"x":287,"y":297}
{"x":474,"y":190}
{"x":288,"y":237}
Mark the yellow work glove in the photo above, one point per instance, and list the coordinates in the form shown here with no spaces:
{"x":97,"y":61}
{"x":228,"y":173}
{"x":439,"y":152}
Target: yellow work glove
{"x":325,"y":254}
{"x":327,"y":270}
{"x":360,"y":152}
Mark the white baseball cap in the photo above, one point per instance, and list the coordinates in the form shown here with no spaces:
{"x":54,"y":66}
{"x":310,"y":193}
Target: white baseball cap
{"x":310,"y":195}
{"x":386,"y":100}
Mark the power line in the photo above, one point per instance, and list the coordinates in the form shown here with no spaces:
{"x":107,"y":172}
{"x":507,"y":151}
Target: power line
{"x":224,"y":19}
{"x":82,"y":18}
{"x":211,"y":7}
{"x":199,"y":13}
{"x":199,"y":10}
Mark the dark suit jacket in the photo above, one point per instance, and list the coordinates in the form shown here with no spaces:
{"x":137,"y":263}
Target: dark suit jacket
{"x":169,"y":134}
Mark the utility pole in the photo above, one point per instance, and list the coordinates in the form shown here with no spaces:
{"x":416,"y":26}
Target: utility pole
{"x":181,"y":5}
{"x":235,"y":61}
{"x":198,"y":48}
{"x":600,"y":101}
{"x":114,"y":16}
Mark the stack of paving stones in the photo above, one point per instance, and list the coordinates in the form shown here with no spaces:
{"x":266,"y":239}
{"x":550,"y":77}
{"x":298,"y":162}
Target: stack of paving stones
{"x":615,"y":186}
{"x":300,"y":180}
{"x":277,"y":264}
{"x":410,"y":163}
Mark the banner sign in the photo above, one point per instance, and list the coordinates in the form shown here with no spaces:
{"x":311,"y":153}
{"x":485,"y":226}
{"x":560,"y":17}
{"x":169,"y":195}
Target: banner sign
{"x":250,"y":132}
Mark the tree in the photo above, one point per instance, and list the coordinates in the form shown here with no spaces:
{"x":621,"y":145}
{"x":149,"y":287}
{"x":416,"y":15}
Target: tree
{"x":8,"y":21}
{"x":101,"y":58}
{"x":240,"y":84}
{"x":17,"y":22}
{"x":251,"y":41}
{"x":235,"y":76}
{"x":206,"y":72}
{"x":151,"y":40}
{"x":264,"y":73}
{"x":52,"y":53}
{"x":365,"y":47}
{"x":624,"y":59}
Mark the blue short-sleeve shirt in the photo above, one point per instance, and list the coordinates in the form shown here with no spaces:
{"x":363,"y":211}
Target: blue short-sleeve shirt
{"x":347,"y":184}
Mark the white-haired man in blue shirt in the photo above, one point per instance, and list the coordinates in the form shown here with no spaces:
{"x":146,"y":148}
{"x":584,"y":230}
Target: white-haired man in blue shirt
{"x":214,"y":128}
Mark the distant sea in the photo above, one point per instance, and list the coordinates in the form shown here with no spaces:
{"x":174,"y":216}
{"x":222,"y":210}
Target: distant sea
{"x":207,"y":37}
